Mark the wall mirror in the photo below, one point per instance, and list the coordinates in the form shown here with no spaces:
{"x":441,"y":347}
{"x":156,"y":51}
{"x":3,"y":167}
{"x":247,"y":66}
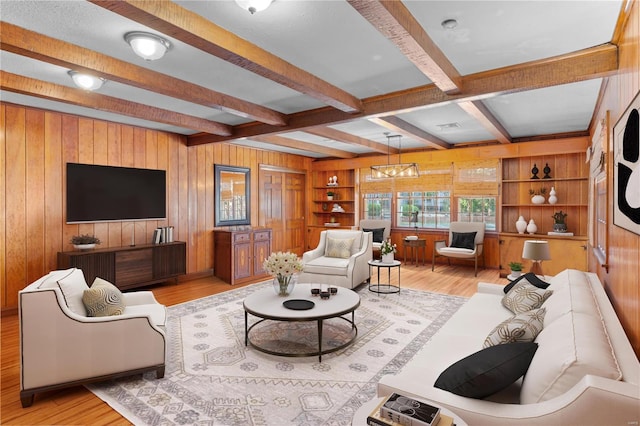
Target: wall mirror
{"x":232,"y":195}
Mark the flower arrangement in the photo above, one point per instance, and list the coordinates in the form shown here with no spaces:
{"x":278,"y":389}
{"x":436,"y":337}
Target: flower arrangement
{"x":387,"y":247}
{"x":281,"y":266}
{"x":540,"y":191}
{"x":84,"y":239}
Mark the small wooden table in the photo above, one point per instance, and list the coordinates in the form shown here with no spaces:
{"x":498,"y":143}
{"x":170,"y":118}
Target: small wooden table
{"x":415,"y":246}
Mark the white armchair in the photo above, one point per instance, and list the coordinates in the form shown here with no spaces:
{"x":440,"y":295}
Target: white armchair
{"x":336,"y":263}
{"x":374,"y":225}
{"x":60,"y":347}
{"x":463,"y":244}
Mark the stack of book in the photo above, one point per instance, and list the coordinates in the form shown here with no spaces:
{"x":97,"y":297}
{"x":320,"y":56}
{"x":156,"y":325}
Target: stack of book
{"x":163,"y":235}
{"x":398,"y":410}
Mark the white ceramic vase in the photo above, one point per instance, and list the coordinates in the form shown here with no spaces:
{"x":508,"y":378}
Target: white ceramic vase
{"x":537,"y":199}
{"x":521,"y":225}
{"x":387,"y":258}
{"x":552,"y":196}
{"x":532,"y":227}
{"x":84,"y":246}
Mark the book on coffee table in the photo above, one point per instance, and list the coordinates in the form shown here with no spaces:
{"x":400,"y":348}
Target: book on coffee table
{"x":409,"y":412}
{"x":375,"y":418}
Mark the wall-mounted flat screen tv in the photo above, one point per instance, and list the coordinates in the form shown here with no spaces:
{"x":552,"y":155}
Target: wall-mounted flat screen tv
{"x":107,"y":194}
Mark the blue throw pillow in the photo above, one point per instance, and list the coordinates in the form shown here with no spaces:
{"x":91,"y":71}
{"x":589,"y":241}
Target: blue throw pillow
{"x":465,"y":240}
{"x":488,"y":371}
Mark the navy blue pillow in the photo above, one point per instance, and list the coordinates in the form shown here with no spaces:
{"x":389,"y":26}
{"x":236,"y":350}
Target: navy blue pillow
{"x":465,"y":240}
{"x":378,"y":234}
{"x":531,"y":278}
{"x":488,"y":371}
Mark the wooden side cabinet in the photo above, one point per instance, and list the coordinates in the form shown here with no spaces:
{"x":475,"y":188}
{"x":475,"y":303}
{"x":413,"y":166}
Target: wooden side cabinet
{"x":239,"y":253}
{"x":129,"y":267}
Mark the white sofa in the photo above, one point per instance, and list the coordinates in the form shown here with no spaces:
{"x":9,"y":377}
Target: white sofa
{"x":348,"y":272}
{"x":61,"y":347}
{"x":584,"y":371}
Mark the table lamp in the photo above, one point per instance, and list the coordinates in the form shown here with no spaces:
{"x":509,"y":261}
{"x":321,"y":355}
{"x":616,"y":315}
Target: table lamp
{"x":536,"y":251}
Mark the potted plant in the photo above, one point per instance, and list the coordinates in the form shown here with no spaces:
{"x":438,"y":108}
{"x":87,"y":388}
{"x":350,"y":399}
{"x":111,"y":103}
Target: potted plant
{"x":559,"y":224}
{"x":387,"y":250}
{"x":330,"y":195}
{"x":84,"y":241}
{"x":516,"y":268}
{"x":537,"y":196}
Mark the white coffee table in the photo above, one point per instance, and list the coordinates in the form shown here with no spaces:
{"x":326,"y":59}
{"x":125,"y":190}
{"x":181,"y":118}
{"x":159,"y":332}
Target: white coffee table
{"x":265,"y":304}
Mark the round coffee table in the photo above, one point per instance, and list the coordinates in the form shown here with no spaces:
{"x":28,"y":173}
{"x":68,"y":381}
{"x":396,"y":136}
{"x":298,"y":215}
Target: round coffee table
{"x":265,"y":304}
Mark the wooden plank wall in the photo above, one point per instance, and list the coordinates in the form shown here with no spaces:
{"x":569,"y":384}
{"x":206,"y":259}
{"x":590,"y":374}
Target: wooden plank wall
{"x":621,"y":281}
{"x":35,"y":147}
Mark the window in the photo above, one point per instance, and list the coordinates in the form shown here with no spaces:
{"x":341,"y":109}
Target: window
{"x":430,"y":209}
{"x":477,"y":209}
{"x":377,"y":206}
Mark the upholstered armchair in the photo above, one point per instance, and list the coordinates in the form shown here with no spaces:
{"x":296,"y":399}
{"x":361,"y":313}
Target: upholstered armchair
{"x":380,"y":228}
{"x":61,"y":346}
{"x":340,"y":259}
{"x":465,"y":242}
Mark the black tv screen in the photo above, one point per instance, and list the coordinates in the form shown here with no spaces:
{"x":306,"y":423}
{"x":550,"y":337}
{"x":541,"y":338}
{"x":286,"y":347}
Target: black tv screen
{"x":106,"y":193}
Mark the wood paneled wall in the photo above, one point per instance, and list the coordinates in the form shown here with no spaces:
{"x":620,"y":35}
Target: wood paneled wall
{"x":621,"y":281}
{"x":35,"y":146}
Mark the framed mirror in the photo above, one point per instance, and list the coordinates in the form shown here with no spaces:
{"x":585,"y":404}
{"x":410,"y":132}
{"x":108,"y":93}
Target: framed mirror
{"x":232,"y":195}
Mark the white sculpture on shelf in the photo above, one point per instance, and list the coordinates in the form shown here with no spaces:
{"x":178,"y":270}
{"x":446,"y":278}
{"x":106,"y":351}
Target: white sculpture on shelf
{"x":532,"y":227}
{"x":521,"y":225}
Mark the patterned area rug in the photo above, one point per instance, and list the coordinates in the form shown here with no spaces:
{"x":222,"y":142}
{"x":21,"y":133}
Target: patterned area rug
{"x":213,"y":379}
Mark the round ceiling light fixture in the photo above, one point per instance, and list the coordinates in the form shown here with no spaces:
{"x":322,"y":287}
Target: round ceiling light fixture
{"x":449,"y":24}
{"x":254,"y":6}
{"x":86,"y":81}
{"x":148,"y":46}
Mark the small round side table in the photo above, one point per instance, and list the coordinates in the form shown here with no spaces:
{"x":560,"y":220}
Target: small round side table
{"x":382,"y":288}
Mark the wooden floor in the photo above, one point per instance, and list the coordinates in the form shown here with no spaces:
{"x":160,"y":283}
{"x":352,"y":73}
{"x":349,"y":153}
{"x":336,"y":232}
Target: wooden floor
{"x":78,"y":406}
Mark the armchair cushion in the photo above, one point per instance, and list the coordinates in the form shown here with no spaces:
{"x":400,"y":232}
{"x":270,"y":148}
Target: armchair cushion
{"x":378,"y":234}
{"x":73,"y":287}
{"x":339,"y":247}
{"x":464,"y":240}
{"x":103,"y":299}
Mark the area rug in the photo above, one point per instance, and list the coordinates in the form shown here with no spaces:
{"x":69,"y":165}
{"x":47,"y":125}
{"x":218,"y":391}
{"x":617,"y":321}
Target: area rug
{"x":212,"y":378}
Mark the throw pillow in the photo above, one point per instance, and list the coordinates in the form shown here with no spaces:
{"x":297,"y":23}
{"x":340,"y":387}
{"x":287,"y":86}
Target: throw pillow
{"x":103,"y":299}
{"x":529,"y":277}
{"x":378,"y":234}
{"x":465,"y":240}
{"x":487,"y":371}
{"x":340,"y":248}
{"x":73,"y":286}
{"x":525,"y":297}
{"x":523,"y":327}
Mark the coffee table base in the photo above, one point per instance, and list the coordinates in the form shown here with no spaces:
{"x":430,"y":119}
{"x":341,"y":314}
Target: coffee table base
{"x":320,"y":327}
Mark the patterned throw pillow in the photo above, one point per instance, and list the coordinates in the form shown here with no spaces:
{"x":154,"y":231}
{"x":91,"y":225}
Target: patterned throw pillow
{"x":525,"y":297}
{"x":523,"y":327}
{"x":339,"y":247}
{"x":103,"y":299}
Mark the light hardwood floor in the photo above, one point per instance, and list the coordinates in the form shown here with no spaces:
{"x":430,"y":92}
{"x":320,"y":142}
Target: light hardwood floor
{"x":78,"y":406}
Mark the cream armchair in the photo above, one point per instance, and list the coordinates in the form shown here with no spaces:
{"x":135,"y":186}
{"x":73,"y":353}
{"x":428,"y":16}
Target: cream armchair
{"x":462,"y":243}
{"x":60,"y":347}
{"x":340,"y":259}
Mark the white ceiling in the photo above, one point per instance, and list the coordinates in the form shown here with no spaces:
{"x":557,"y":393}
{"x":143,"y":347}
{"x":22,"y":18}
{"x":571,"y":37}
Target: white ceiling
{"x":335,"y":43}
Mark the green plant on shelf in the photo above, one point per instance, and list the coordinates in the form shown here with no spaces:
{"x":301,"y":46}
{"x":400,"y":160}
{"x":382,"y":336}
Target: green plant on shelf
{"x":515,"y":266}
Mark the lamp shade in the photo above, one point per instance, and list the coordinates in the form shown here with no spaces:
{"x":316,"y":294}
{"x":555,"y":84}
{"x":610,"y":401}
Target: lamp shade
{"x":536,"y":250}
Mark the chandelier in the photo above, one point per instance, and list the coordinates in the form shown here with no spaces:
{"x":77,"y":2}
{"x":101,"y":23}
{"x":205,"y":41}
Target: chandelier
{"x":400,"y":169}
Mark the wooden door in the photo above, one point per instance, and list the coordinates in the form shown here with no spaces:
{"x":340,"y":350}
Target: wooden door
{"x":282,"y":207}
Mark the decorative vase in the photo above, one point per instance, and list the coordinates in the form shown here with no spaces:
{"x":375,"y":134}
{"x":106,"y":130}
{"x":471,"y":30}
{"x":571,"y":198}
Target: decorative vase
{"x":552,"y":196}
{"x":521,"y":225}
{"x":534,"y":172}
{"x":84,"y":246}
{"x":559,"y":227}
{"x":532,"y":227}
{"x":546,"y":171}
{"x":387,"y":258}
{"x":537,"y":199}
{"x":284,"y":284}
{"x":330,"y":197}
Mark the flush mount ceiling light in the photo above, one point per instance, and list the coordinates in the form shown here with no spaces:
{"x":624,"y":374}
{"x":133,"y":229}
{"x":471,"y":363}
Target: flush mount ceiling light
{"x":397,"y":170}
{"x":449,"y":24}
{"x":254,"y":6}
{"x":86,"y":81}
{"x":148,"y":46}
